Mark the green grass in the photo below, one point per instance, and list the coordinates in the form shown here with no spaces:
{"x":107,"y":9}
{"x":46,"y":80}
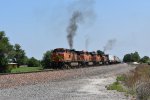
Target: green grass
{"x":26,"y":69}
{"x":116,"y":86}
{"x":120,"y":78}
{"x":119,"y":87}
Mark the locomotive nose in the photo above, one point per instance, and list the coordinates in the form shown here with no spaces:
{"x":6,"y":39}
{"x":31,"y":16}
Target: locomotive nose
{"x":58,"y":57}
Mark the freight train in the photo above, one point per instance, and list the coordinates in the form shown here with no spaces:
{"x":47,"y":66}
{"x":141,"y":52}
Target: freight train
{"x":66,"y":58}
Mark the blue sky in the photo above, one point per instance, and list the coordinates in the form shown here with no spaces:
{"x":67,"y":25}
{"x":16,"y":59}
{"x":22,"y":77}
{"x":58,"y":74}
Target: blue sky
{"x":40,"y":25}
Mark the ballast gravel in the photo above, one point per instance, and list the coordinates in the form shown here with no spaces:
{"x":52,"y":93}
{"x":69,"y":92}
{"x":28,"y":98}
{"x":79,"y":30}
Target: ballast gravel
{"x":75,"y":84}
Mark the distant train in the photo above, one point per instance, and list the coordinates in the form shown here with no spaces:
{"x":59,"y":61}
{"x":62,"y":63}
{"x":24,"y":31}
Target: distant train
{"x":66,"y":58}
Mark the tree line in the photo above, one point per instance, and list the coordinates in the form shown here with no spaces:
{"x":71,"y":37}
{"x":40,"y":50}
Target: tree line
{"x":13,"y":54}
{"x":135,"y":57}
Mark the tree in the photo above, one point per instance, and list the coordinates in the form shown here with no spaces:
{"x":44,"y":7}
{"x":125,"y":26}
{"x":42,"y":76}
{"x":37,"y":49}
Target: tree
{"x":5,"y":48}
{"x":127,"y":58}
{"x":20,"y":55}
{"x":11,"y":53}
{"x":135,"y":57}
{"x":47,"y":59}
{"x":132,"y":57}
{"x":32,"y":62}
{"x":145,"y":59}
{"x":100,"y":52}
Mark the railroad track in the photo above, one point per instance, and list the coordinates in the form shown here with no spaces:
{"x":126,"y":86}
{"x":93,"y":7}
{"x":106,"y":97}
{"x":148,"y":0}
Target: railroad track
{"x":48,"y":70}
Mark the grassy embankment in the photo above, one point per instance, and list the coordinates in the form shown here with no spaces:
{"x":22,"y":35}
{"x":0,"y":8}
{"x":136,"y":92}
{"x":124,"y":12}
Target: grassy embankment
{"x":130,"y":81}
{"x":26,"y":69}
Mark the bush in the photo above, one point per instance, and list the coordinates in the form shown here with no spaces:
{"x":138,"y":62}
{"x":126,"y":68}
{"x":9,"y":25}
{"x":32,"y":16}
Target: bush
{"x":139,"y":75}
{"x":135,"y":78}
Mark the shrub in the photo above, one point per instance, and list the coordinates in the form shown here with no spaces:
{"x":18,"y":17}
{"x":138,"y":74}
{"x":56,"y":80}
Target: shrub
{"x":139,"y":75}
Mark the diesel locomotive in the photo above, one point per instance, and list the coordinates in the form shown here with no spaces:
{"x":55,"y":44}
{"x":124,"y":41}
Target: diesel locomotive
{"x":66,"y":58}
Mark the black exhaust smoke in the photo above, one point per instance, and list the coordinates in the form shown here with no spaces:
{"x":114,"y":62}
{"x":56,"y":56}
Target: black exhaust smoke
{"x":82,"y":10}
{"x":73,"y":26}
{"x":110,"y":44}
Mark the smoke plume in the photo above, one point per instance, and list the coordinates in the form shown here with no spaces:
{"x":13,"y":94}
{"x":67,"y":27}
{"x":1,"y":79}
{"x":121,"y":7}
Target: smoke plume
{"x":73,"y":26}
{"x":82,"y":10}
{"x":110,"y":44}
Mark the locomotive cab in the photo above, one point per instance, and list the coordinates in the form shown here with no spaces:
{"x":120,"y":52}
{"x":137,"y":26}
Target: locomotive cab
{"x":63,"y":58}
{"x":58,"y":54}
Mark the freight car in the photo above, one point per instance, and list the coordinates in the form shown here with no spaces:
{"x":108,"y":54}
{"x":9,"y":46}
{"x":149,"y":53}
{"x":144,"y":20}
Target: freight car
{"x":110,"y":59}
{"x":66,"y":58}
{"x":117,"y":60}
